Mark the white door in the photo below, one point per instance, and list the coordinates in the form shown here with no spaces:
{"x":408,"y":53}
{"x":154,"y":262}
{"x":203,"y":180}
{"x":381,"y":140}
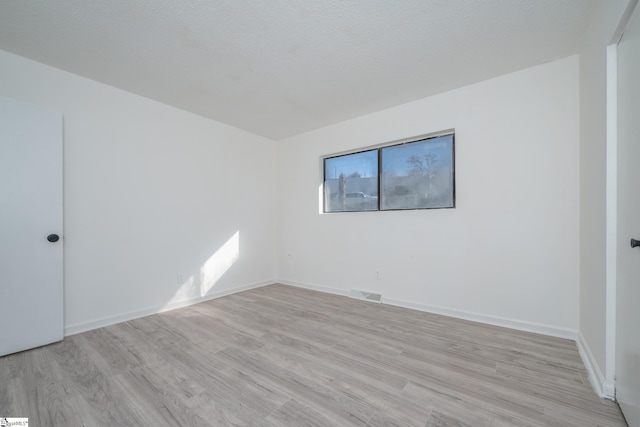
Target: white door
{"x":31,"y":293}
{"x":628,"y":269}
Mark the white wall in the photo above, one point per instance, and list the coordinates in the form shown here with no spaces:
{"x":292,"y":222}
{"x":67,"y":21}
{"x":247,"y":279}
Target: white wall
{"x":593,"y":66}
{"x":508,"y":253}
{"x":151,"y":192}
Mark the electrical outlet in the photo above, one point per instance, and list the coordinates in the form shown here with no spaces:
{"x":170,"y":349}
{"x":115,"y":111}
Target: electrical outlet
{"x":377,"y":275}
{"x":180,"y":279}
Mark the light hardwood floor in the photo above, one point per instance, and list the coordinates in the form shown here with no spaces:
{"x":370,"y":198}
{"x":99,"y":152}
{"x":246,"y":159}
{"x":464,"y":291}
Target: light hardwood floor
{"x":283,"y":356}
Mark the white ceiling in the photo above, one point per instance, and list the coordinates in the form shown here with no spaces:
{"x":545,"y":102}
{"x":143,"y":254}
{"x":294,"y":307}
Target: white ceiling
{"x":281,"y":67}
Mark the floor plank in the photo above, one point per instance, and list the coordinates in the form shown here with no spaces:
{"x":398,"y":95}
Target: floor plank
{"x":286,"y":356}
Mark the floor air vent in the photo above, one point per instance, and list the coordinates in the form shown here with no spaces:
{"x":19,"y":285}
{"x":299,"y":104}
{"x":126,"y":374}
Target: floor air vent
{"x":365,"y":296}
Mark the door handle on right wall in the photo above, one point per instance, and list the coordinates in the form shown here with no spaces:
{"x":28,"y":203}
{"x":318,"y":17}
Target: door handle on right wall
{"x":635,"y":243}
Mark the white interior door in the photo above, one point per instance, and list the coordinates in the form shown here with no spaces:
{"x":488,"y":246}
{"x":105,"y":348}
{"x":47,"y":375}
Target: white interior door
{"x":31,"y":291}
{"x":628,"y":268}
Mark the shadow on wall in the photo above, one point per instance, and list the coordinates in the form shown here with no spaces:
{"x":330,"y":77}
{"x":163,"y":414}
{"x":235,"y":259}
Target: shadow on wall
{"x":200,"y":284}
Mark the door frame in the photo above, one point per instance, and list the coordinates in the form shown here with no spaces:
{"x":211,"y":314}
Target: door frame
{"x":608,"y":386}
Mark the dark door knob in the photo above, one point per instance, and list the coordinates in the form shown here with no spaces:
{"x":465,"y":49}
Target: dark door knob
{"x":53,"y":238}
{"x":635,"y":243}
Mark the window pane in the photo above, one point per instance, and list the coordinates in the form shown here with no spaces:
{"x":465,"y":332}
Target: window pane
{"x":418,"y":175}
{"x":351,"y":182}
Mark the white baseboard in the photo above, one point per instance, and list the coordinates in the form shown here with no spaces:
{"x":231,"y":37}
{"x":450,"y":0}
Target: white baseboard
{"x":519,"y":325}
{"x":123,"y":317}
{"x":313,"y":287}
{"x":603,"y":388}
{"x":460,"y":314}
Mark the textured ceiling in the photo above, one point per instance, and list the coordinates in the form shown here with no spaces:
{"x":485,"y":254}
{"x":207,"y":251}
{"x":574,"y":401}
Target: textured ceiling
{"x":281,"y":67}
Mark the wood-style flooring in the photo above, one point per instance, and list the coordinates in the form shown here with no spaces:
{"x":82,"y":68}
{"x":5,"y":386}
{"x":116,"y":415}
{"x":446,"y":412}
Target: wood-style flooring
{"x":284,"y":356}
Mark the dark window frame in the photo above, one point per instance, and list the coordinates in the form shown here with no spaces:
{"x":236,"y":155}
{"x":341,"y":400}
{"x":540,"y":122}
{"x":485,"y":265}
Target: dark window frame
{"x":379,"y":150}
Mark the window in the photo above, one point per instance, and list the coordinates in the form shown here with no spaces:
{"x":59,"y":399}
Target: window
{"x":418,"y":174}
{"x":351,"y":182}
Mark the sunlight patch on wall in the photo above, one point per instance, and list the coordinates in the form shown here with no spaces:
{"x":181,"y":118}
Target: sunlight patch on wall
{"x":218,"y":264}
{"x":186,"y":290}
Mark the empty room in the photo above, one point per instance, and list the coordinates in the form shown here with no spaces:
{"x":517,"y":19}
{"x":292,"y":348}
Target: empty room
{"x":319,"y":213}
